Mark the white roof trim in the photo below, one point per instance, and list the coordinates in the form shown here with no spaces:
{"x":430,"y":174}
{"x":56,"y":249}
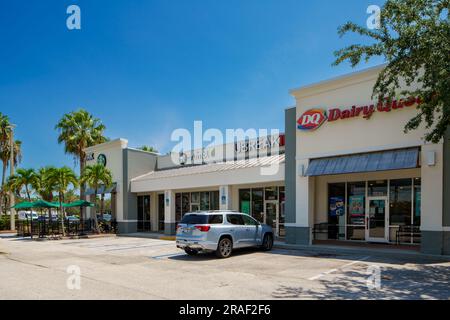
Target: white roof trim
{"x":211,"y":168}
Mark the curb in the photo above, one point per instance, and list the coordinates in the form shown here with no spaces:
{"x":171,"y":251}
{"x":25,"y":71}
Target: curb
{"x":149,"y":236}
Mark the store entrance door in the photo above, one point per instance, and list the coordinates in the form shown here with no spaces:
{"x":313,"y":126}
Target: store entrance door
{"x":161,"y":212}
{"x":377,"y":213}
{"x":271,"y":215}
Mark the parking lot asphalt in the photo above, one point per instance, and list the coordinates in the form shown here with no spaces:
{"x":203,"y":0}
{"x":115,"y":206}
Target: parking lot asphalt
{"x":136,"y":268}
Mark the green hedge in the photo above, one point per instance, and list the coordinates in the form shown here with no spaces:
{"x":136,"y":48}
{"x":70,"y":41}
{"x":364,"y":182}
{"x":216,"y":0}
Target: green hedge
{"x":4,"y":222}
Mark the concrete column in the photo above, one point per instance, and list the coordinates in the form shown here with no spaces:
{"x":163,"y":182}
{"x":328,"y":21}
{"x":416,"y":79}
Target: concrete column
{"x":154,"y":211}
{"x":432,"y":199}
{"x":169,"y":212}
{"x":225,"y":197}
{"x":299,"y":232}
{"x":89,"y":211}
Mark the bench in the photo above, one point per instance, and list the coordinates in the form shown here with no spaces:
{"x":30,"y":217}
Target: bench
{"x":331,"y":230}
{"x":409,"y":231}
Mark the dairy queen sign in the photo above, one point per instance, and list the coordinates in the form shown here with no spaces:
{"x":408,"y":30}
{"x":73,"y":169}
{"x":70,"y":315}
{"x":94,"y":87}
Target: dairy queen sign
{"x":314,"y":118}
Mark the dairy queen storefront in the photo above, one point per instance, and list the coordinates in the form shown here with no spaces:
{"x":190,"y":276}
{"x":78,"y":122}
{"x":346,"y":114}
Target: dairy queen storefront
{"x":347,"y":173}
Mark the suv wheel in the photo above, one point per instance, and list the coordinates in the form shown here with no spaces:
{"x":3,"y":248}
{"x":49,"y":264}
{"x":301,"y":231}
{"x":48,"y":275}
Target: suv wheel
{"x":267,"y":242}
{"x":224,"y":248}
{"x":191,"y":252}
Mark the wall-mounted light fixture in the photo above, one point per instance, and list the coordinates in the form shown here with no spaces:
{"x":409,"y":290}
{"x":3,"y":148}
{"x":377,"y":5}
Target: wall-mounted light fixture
{"x":431,"y":158}
{"x":301,"y":170}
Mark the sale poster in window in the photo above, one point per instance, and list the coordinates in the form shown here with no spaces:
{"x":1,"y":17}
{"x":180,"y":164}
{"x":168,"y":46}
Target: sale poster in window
{"x":337,"y":206}
{"x":356,"y":210}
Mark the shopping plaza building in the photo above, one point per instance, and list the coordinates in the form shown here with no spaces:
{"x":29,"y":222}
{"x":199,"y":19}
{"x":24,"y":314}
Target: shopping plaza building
{"x":345,"y":171}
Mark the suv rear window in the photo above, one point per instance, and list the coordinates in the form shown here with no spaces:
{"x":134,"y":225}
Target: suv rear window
{"x":202,"y":219}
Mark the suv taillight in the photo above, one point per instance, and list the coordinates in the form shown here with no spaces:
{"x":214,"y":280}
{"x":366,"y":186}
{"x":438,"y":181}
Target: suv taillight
{"x":203,"y":228}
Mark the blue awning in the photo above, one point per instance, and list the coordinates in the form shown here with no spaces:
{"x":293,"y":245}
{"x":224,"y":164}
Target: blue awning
{"x":366,"y":162}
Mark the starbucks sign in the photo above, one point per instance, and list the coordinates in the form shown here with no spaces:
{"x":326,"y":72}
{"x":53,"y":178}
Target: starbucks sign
{"x":101,"y":159}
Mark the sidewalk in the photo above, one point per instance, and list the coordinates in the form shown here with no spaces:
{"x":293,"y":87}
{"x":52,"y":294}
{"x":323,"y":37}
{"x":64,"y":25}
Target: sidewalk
{"x":148,"y":235}
{"x":343,"y":249}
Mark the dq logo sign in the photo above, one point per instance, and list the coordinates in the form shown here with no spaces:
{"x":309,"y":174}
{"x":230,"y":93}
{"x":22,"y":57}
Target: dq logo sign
{"x":312,"y":119}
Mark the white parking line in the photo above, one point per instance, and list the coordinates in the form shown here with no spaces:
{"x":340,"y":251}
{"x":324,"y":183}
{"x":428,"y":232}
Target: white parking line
{"x":140,"y":247}
{"x":167,"y":256}
{"x":345,"y":266}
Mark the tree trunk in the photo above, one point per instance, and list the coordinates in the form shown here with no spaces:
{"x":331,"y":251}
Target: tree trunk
{"x":102,"y":205}
{"x":31,"y":210}
{"x":62,"y":213}
{"x":2,"y":187}
{"x":82,"y":185}
{"x":95,"y":213}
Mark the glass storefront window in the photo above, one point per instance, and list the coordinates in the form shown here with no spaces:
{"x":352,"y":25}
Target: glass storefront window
{"x":282,"y":194}
{"x":215,"y":201}
{"x":356,"y":194}
{"x":377,"y":188}
{"x":143,"y":214}
{"x":400,"y":199}
{"x":258,"y":204}
{"x":417,"y":201}
{"x":140,"y":218}
{"x":195,"y":197}
{"x":186,"y":203}
{"x":204,"y":201}
{"x":271,"y":194}
{"x":356,"y":233}
{"x":336,"y":202}
{"x":196,"y":201}
{"x":244,"y":201}
{"x":336,"y":210}
{"x":178,"y":210}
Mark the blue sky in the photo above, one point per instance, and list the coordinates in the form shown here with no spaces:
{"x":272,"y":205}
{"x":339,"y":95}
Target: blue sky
{"x":147,"y":67}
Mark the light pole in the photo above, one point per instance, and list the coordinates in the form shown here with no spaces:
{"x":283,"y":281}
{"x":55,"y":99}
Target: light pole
{"x":12,"y":201}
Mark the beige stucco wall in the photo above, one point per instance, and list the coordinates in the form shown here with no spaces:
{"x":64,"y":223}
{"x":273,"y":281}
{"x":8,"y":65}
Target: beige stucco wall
{"x":383,"y":131}
{"x":114,"y":162}
{"x":432,"y":189}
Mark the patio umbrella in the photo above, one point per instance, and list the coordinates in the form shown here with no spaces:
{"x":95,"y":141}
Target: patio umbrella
{"x":81,"y":204}
{"x":78,"y":203}
{"x":23,"y":205}
{"x":44,"y":204}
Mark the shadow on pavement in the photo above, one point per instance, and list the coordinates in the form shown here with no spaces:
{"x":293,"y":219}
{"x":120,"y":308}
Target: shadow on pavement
{"x":422,"y":282}
{"x":211,"y":256}
{"x":375,"y":257}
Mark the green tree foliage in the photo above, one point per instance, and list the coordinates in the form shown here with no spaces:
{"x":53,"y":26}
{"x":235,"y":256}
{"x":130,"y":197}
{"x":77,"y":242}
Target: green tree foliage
{"x":61,"y":179}
{"x":414,"y":39}
{"x":96,"y":176}
{"x":79,"y":130}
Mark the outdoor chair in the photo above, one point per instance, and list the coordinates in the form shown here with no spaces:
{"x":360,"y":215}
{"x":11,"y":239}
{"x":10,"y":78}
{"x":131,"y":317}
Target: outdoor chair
{"x":411,"y":231}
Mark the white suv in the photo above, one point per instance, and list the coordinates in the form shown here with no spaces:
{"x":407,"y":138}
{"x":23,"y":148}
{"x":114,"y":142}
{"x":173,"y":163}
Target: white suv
{"x":221,"y":232}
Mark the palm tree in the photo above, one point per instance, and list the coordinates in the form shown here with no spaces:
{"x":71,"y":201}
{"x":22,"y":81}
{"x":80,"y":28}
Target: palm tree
{"x":42,"y":186}
{"x":79,"y":130}
{"x":95,"y":176}
{"x":24,"y":178}
{"x":61,"y":179}
{"x":148,"y":149}
{"x":4,"y":157}
{"x":5,"y":131}
{"x":41,"y":183}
